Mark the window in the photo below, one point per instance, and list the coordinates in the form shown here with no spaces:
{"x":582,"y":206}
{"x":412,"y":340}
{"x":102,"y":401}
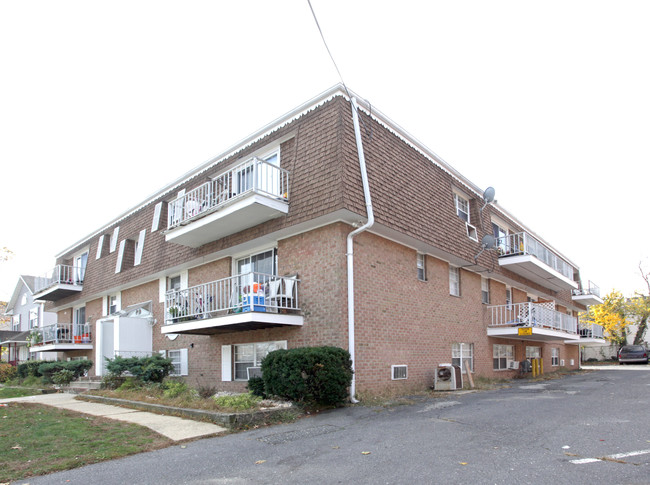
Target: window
{"x":454,"y":281}
{"x":422,"y":270}
{"x":555,"y":356}
{"x":533,"y":352}
{"x":33,"y":318}
{"x":398,"y":372}
{"x":15,"y":323}
{"x":80,"y":268}
{"x":502,"y":355}
{"x":23,"y":300}
{"x":179,"y":361}
{"x":113,"y":305}
{"x":255,"y":268}
{"x":79,"y":320}
{"x":174,"y":283}
{"x":485,"y":291}
{"x":508,"y":297}
{"x":251,"y":355}
{"x":461,"y":353}
{"x":501,"y":236}
{"x":462,"y":207}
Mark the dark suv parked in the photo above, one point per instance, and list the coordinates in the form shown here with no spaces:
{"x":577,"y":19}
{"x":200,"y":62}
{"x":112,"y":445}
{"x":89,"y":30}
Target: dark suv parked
{"x":633,"y":354}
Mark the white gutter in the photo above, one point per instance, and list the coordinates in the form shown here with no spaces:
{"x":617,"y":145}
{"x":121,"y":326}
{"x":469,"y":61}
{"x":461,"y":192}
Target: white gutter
{"x":350,"y":247}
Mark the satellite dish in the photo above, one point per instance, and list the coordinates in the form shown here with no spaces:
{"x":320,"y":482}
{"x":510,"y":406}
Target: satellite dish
{"x":488,"y":195}
{"x":488,"y":241}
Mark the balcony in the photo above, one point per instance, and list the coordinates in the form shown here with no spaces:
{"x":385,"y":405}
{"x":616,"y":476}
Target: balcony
{"x":524,"y":255}
{"x":587,"y":296}
{"x":591,"y":335}
{"x":61,"y":336}
{"x":532,"y":321}
{"x":245,"y":196}
{"x":61,"y":282}
{"x":249,"y":301}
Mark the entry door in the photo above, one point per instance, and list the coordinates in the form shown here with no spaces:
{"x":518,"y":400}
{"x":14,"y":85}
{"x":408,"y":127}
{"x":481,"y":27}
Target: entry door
{"x":108,"y":343}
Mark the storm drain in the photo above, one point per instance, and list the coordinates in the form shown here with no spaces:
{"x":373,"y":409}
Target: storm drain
{"x":299,"y":434}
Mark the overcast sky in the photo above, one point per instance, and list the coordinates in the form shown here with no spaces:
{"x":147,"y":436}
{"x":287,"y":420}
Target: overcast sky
{"x":103,"y":103}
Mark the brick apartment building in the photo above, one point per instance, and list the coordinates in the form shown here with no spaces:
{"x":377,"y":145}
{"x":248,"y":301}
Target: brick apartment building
{"x":248,"y":253}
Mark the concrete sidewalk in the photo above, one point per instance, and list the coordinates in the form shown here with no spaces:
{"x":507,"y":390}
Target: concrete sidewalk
{"x":170,"y":426}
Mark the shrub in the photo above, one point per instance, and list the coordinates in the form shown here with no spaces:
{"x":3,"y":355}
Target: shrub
{"x":29,"y":368}
{"x":112,"y":381}
{"x":174,"y":389}
{"x":256,"y":386}
{"x":129,"y":384}
{"x":146,"y":369}
{"x":206,"y":391}
{"x":30,"y":381}
{"x":238,"y":402}
{"x":77,"y":367}
{"x":63,"y":377}
{"x":7,"y":371}
{"x":318,"y":375}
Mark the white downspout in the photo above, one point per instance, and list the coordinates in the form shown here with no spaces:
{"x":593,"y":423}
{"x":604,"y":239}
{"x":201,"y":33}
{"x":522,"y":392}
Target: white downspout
{"x":350,"y":248}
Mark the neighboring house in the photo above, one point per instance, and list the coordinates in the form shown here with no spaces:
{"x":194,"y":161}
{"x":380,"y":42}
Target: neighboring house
{"x":26,"y":315}
{"x":249,"y":253}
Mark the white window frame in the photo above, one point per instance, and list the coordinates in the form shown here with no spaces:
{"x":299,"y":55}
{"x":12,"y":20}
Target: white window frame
{"x":258,"y":349}
{"x":139,"y":248}
{"x":179,"y":361}
{"x":421,"y":263}
{"x":80,"y":265}
{"x":500,"y":352}
{"x":533,"y":352}
{"x":33,"y":318}
{"x":462,"y":352}
{"x":485,"y":291}
{"x":15,"y":323}
{"x":454,"y":280}
{"x":508,"y":297}
{"x":555,"y":356}
{"x":462,"y":207}
{"x":113,"y":241}
{"x":399,"y":367}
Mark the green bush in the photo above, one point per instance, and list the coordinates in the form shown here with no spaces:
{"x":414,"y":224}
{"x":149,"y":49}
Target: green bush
{"x":63,"y":377}
{"x":146,"y":369}
{"x":238,"y":402}
{"x":7,"y":371}
{"x":29,"y":368}
{"x":112,"y":381}
{"x":77,"y":367}
{"x":319,"y":375}
{"x":129,"y":384}
{"x":256,"y":386}
{"x":174,"y":389}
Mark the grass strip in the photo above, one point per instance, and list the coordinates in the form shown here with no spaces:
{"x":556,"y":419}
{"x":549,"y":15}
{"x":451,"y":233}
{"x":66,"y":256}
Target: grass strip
{"x":37,"y":439}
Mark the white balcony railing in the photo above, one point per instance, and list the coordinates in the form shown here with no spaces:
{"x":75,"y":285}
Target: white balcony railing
{"x":591,"y":289}
{"x":252,"y":176}
{"x":532,"y":315}
{"x":522,"y":243}
{"x":63,"y":333}
{"x":61,"y":274}
{"x":590,"y":330}
{"x":246,"y":292}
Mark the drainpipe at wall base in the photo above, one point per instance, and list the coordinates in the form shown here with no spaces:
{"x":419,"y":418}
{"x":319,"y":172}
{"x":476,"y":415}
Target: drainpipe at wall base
{"x":350,"y":246}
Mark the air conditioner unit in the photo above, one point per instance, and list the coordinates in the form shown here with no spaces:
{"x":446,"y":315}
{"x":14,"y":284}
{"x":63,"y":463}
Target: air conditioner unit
{"x":448,"y":378}
{"x":513,"y":364}
{"x":562,"y":362}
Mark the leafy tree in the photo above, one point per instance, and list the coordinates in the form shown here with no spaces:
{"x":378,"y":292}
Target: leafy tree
{"x":638,"y":308}
{"x":612,"y":315}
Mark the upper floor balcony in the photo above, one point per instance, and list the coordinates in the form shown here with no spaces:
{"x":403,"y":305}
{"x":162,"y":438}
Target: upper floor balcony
{"x":61,"y":282}
{"x":247,"y":195}
{"x":587,"y":296}
{"x":61,"y":336}
{"x":591,"y":335}
{"x":523,"y":254}
{"x":532,"y":321}
{"x":244,"y":302}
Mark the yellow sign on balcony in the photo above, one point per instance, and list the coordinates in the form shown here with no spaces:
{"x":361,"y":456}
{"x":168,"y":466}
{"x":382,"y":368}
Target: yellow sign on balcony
{"x":525,"y":331}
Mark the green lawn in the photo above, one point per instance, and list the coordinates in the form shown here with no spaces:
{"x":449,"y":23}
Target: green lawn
{"x":7,"y":392}
{"x":36,"y":439}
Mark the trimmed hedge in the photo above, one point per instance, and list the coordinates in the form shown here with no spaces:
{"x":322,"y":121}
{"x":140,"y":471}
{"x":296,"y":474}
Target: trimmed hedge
{"x":29,"y":368}
{"x":318,"y":375}
{"x":77,"y":367}
{"x":146,"y":369}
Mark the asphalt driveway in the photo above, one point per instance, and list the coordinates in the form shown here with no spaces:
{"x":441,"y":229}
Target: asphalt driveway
{"x":586,"y":428}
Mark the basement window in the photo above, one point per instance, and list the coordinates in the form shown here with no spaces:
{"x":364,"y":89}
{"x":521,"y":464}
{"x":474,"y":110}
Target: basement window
{"x":399,"y":372}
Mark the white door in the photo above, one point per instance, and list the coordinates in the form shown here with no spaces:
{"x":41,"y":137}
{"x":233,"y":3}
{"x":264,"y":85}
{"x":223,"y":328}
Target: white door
{"x":107,"y":350}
